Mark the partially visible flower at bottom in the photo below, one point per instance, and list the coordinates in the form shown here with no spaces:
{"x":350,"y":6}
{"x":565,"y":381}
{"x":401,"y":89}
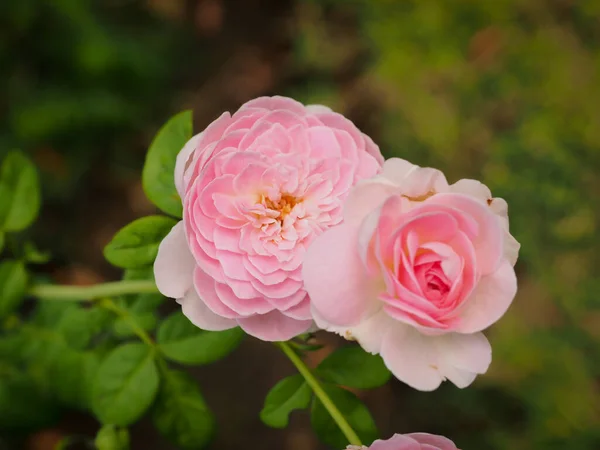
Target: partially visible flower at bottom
{"x":412,"y":441}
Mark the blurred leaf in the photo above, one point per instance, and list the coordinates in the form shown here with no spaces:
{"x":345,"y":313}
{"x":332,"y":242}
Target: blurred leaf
{"x":79,"y":325}
{"x":19,"y":192}
{"x":110,"y":437}
{"x":125,"y":385}
{"x":181,"y":341}
{"x":2,"y":240}
{"x":13,"y":284}
{"x":355,"y":412}
{"x":23,"y":406}
{"x":353,"y":367}
{"x":142,"y":307}
{"x":141,"y":303}
{"x":289,"y":394}
{"x":122,"y":326}
{"x":180,"y":412}
{"x":33,"y":255}
{"x":158,"y":174}
{"x":48,"y":314}
{"x":136,"y":244}
{"x":71,"y":375}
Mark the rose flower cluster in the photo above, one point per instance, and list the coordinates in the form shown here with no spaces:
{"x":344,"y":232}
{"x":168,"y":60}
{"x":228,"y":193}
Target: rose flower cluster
{"x":293,"y":222}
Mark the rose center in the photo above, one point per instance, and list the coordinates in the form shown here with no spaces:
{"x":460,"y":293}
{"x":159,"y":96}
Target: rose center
{"x":434,"y":282}
{"x":283,"y":205}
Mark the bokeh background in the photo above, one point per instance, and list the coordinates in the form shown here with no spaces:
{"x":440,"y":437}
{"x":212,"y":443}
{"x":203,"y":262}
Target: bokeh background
{"x":506,"y":91}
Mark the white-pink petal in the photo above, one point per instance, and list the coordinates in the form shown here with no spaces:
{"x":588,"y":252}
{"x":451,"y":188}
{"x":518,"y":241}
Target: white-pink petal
{"x":181,"y":163}
{"x":200,"y":315}
{"x":274,"y":326}
{"x":489,"y":300}
{"x":335,"y":278}
{"x":174,"y":264}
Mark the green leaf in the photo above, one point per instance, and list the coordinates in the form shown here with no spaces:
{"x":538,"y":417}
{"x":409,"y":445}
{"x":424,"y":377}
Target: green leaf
{"x":122,"y":326}
{"x":355,"y":412}
{"x":183,"y":342}
{"x":79,"y":325}
{"x":2,"y":240}
{"x":23,"y":406}
{"x":136,"y":244}
{"x":289,"y":394}
{"x":125,"y":385}
{"x":48,"y":314}
{"x":353,"y":367}
{"x":33,"y":255}
{"x":13,"y":284}
{"x":19,"y":192}
{"x":72,"y":374}
{"x":180,"y":412}
{"x":158,"y":175}
{"x":141,"y":303}
{"x":142,"y":307}
{"x":110,"y":437}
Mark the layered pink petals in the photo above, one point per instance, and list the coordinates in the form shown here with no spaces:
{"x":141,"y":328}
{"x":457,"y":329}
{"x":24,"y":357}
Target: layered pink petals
{"x":257,"y":188}
{"x":411,"y":441}
{"x":421,"y":270}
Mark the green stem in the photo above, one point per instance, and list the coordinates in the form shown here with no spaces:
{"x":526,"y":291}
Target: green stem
{"x":79,"y":293}
{"x":333,"y":411}
{"x":109,"y":305}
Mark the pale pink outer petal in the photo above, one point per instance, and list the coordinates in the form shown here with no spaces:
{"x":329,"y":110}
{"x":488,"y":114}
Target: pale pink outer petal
{"x":196,"y":310}
{"x":412,"y":180}
{"x":423,"y":362}
{"x":335,"y":278}
{"x":497,"y":205}
{"x":369,"y":333}
{"x":489,"y":300}
{"x":439,"y":442}
{"x":181,"y":163}
{"x":511,"y":245}
{"x":412,"y":358}
{"x":274,"y":326}
{"x":174,"y":264}
{"x":365,"y":197}
{"x":473,"y":188}
{"x":318,"y":109}
{"x":397,"y":169}
{"x":463,"y":357}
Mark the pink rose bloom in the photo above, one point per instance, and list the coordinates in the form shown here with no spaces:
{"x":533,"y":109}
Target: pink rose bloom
{"x":257,"y":188}
{"x":412,"y":441}
{"x":418,"y":268}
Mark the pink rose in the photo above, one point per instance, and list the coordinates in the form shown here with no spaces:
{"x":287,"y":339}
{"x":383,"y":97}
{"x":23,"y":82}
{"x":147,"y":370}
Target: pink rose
{"x":257,"y":187}
{"x":415,"y":272}
{"x":412,"y":441}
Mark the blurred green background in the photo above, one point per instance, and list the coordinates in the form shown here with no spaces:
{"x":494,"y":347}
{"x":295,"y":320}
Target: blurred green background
{"x":505,"y":91}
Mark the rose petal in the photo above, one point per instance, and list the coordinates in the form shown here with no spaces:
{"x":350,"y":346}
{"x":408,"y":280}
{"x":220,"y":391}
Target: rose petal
{"x":335,"y":279}
{"x":489,"y":300}
{"x":463,"y":356}
{"x":174,"y":264}
{"x":412,"y":358}
{"x":181,"y":164}
{"x":200,"y":315}
{"x":489,"y":242}
{"x":274,"y":326}
{"x":396,"y":442}
{"x":439,"y":442}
